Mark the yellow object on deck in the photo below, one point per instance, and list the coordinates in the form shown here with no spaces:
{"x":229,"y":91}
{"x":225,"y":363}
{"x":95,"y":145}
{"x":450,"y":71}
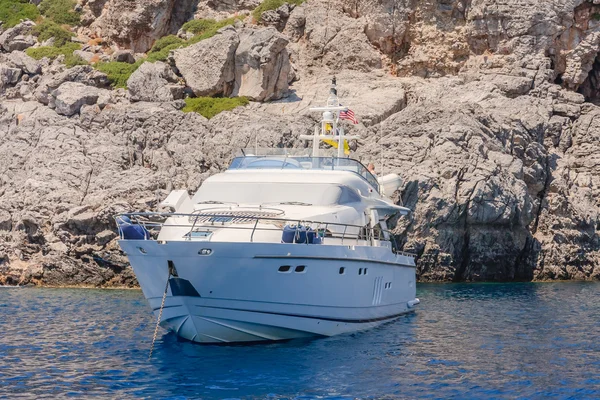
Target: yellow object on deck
{"x":334,"y":144}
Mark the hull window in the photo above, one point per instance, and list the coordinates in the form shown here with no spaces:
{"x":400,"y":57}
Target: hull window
{"x":300,"y":268}
{"x":285,"y":268}
{"x":342,"y":270}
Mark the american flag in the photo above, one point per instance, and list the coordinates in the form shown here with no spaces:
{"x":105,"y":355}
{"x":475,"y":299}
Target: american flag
{"x":349,"y":115}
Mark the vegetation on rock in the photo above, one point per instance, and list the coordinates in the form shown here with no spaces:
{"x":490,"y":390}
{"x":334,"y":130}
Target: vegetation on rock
{"x":206,"y":28}
{"x":211,"y":106}
{"x":272,"y":5}
{"x":161,"y":48}
{"x":201,"y":28}
{"x":13,"y":11}
{"x":60,"y":11}
{"x":118,"y":72}
{"x":48,"y":29}
{"x":52,"y":52}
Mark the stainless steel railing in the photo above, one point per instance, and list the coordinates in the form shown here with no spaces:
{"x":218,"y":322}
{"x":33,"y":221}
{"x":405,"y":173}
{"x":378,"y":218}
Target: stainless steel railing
{"x":153,"y":222}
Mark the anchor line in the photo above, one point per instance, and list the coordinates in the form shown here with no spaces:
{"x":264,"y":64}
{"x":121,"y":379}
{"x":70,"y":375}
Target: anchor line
{"x":162,"y":305}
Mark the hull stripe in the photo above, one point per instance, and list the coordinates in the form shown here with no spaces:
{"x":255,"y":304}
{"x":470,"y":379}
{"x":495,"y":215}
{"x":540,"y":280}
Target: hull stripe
{"x":346,"y":320}
{"x":361,"y":260}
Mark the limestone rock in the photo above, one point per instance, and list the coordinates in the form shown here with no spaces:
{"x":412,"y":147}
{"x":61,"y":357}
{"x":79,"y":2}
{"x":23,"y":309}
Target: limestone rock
{"x":28,"y":65}
{"x":277,"y":18}
{"x":262,"y":65}
{"x":85,"y":55}
{"x":126,"y":56}
{"x":216,"y":73}
{"x":9,"y":76}
{"x":330,"y":42}
{"x":83,"y":74}
{"x":136,"y":25}
{"x":220,"y":9}
{"x":154,"y":82}
{"x":70,"y":96}
{"x":18,"y":37}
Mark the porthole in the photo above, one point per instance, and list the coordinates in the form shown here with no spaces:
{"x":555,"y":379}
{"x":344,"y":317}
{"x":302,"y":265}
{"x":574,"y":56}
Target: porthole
{"x":142,"y":250}
{"x":360,"y":271}
{"x":366,"y":270}
{"x":285,"y":268}
{"x":300,"y":268}
{"x":342,"y":270}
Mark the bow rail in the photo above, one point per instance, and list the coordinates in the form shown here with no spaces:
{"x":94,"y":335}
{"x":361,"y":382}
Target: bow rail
{"x":202,"y":222}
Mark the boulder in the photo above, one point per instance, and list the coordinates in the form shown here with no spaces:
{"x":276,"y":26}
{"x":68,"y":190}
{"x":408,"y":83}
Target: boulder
{"x":84,"y":74}
{"x":28,"y":65}
{"x":18,"y":37}
{"x":251,"y":62}
{"x":154,"y":82}
{"x":70,"y":96}
{"x":126,"y":56}
{"x":277,"y":18}
{"x":85,"y":55}
{"x":208,"y":66}
{"x":9,"y":76}
{"x":262,"y":65}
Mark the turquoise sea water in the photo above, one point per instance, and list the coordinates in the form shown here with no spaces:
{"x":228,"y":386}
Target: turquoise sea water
{"x":465,"y":341}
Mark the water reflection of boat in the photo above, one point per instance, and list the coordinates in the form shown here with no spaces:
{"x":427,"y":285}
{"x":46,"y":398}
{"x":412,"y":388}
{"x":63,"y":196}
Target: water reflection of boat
{"x":279,"y":246}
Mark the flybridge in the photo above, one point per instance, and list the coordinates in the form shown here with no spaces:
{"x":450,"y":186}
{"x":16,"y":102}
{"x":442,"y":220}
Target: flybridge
{"x":306,"y":163}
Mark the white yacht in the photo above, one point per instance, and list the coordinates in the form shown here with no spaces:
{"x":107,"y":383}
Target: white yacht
{"x":276,"y":247}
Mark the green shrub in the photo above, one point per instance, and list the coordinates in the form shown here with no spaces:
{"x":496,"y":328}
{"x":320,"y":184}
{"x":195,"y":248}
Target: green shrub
{"x":52,"y":52}
{"x":13,"y":11}
{"x":60,"y":11}
{"x":160,"y":50}
{"x":48,"y":29}
{"x":596,"y":16}
{"x":211,"y":106}
{"x":206,"y":28}
{"x":198,"y":26}
{"x":40,"y":52}
{"x":166,"y":41}
{"x":118,"y":72}
{"x":72,"y":60}
{"x":267,"y":5}
{"x":164,"y":53}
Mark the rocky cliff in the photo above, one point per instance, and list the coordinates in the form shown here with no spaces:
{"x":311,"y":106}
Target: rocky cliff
{"x":485,"y":108}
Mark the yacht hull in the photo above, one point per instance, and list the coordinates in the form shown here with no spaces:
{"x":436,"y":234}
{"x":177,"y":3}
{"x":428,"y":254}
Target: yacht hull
{"x":222,"y":292}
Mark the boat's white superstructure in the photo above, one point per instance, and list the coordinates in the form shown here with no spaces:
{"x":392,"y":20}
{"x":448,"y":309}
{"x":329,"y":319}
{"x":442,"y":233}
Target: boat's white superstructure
{"x":276,"y":247}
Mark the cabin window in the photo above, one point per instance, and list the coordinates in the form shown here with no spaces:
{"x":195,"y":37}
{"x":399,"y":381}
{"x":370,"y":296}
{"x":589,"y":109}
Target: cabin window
{"x":342,"y":270}
{"x":360,"y":271}
{"x":300,"y":268}
{"x":284,"y":268}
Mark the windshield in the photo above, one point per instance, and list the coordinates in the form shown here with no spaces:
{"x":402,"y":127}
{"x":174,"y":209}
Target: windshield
{"x":312,"y":163}
{"x":315,"y":194}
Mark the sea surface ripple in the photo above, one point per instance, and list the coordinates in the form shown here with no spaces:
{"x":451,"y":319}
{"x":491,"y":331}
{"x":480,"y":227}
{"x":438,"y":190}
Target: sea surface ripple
{"x":465,"y":341}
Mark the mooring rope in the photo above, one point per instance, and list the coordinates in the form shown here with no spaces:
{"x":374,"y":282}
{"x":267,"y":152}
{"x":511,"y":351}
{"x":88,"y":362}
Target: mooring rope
{"x":162,"y":305}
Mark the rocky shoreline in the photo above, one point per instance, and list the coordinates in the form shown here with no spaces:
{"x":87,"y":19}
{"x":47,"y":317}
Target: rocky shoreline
{"x":487,"y":113}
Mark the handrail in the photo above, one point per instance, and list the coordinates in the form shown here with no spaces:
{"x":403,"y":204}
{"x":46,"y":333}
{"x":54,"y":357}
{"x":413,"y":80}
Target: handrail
{"x":144,"y":219}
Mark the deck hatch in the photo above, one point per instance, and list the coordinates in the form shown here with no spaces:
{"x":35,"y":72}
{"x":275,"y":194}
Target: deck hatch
{"x":230,"y":217}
